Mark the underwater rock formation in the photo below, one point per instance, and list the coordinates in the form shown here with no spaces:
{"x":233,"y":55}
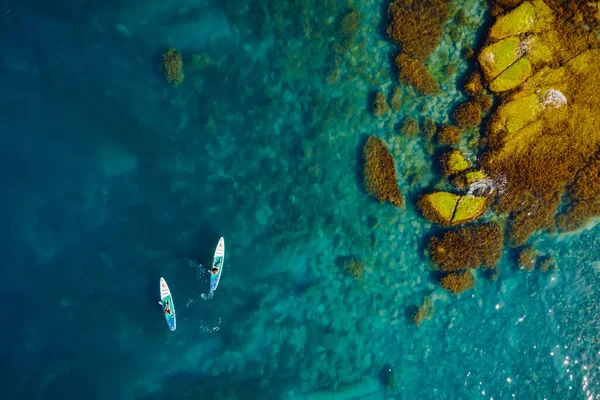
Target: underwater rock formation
{"x":545,"y":57}
{"x":547,"y":263}
{"x":355,"y":267}
{"x":473,"y":85}
{"x":396,"y":102}
{"x":527,"y":258}
{"x":380,"y":105}
{"x":417,"y":25}
{"x":410,"y":127}
{"x":429,"y":128}
{"x":380,"y":172}
{"x":449,"y":134}
{"x":457,"y":282}
{"x":583,"y":197}
{"x":467,"y":247}
{"x":172,"y":66}
{"x":414,"y":73}
{"x":424,"y":311}
{"x":467,"y":115}
{"x":348,"y":31}
{"x":201,"y":62}
{"x":448,"y":209}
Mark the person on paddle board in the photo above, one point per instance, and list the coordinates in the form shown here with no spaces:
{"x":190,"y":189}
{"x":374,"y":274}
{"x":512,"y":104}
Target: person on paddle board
{"x":166,"y":307}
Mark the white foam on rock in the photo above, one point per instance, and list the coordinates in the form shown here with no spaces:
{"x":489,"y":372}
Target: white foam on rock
{"x":553,"y":98}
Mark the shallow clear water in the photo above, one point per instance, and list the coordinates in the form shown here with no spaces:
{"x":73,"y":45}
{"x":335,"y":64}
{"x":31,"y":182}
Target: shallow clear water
{"x":113,"y":179}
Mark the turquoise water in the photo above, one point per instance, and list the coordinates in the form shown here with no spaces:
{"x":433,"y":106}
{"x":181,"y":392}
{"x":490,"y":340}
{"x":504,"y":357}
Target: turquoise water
{"x":113,"y":179}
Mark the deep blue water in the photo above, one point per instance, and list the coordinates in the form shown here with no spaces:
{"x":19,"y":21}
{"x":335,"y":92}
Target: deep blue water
{"x":112,"y":179}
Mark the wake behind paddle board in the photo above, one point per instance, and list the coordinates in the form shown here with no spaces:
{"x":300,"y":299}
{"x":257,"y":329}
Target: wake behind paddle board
{"x":218,"y":260}
{"x":167,"y":303}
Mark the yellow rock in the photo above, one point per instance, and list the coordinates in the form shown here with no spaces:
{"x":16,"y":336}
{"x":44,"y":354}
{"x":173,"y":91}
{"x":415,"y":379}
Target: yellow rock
{"x":520,"y":20}
{"x":469,"y":208}
{"x":536,"y":50}
{"x":544,"y":17}
{"x":456,"y":162}
{"x":544,"y":78}
{"x":438,"y":207}
{"x":521,"y":112}
{"x":513,"y":76}
{"x":474,"y":176}
{"x":584,"y":61}
{"x":498,"y":56}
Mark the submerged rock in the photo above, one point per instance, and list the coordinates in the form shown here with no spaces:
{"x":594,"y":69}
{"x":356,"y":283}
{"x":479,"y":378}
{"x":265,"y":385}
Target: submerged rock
{"x":380,"y":172}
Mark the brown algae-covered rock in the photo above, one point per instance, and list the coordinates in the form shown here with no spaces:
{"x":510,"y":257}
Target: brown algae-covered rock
{"x":527,"y":258}
{"x":468,"y":114}
{"x":380,"y":105}
{"x":417,"y":25}
{"x":380,"y":172}
{"x":467,"y":247}
{"x":172,"y":66}
{"x":396,"y":102}
{"x":457,"y":282}
{"x":424,"y":311}
{"x":355,"y":267}
{"x":473,"y":85}
{"x":414,"y":73}
{"x":410,"y":127}
{"x":449,"y":134}
{"x":539,"y":138}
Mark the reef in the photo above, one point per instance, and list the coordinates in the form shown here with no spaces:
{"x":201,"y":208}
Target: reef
{"x":380,"y":105}
{"x":355,"y":267}
{"x":429,"y":128}
{"x":410,"y":127}
{"x":467,"y":115}
{"x":527,"y":258}
{"x":380,"y":172}
{"x":543,"y":57}
{"x":414,"y":73}
{"x":348,"y":31}
{"x":396,"y":102}
{"x":473,"y":85}
{"x":201,"y":62}
{"x":417,"y":25}
{"x":467,"y":247}
{"x":449,"y":134}
{"x":172,"y":66}
{"x":583,"y":197}
{"x":547,"y":263}
{"x":424,"y":311}
{"x":457,"y":282}
{"x":387,"y":376}
{"x":448,"y":209}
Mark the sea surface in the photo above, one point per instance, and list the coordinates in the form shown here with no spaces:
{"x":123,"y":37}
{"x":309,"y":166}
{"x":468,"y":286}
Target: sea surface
{"x":112,"y":178}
